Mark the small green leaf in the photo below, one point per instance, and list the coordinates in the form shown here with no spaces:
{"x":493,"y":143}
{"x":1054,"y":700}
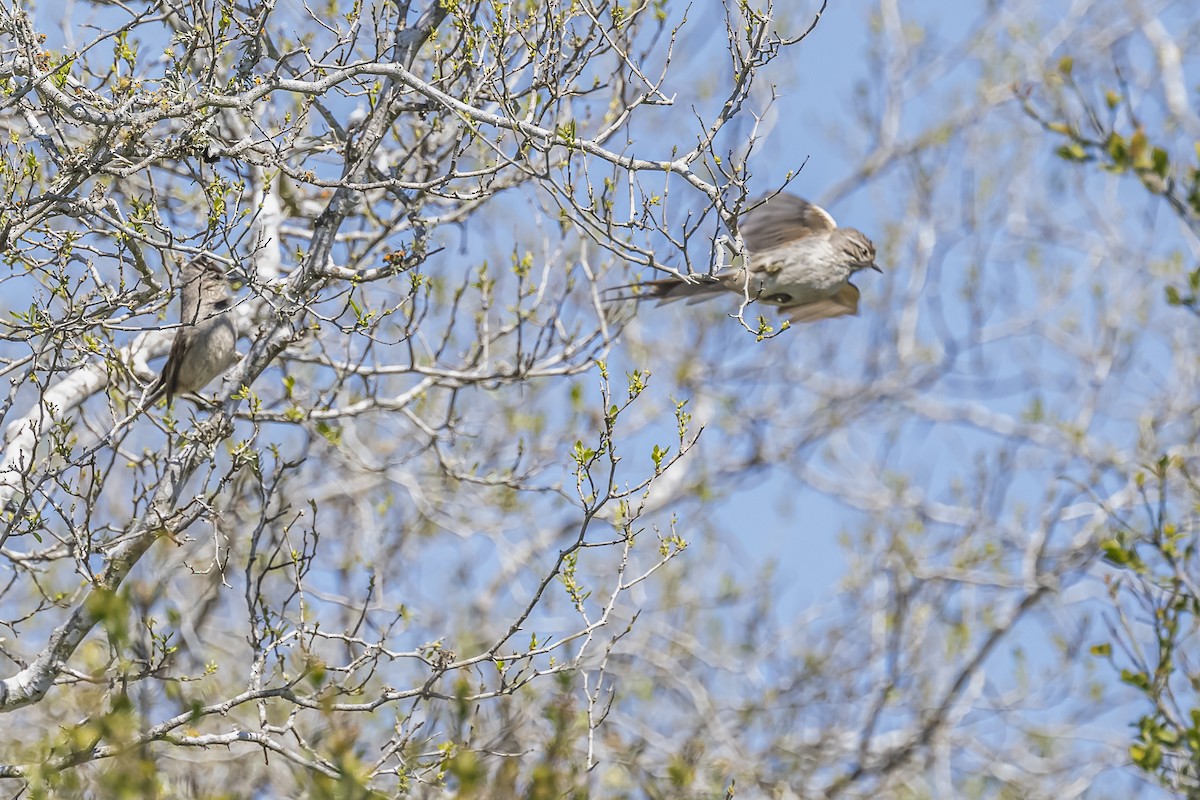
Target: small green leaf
{"x":1072,"y":152}
{"x":1118,"y":151}
{"x":1161,"y":162}
{"x":1148,"y":757}
{"x":1139,"y":680}
{"x":332,"y":434}
{"x":1139,"y":149}
{"x":1116,"y":553}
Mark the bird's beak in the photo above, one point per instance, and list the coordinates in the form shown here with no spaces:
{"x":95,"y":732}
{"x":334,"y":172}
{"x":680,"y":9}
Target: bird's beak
{"x":875,"y":267}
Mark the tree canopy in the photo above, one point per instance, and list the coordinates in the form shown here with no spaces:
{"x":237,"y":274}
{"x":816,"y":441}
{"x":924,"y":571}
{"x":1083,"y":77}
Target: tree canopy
{"x":462,"y":520}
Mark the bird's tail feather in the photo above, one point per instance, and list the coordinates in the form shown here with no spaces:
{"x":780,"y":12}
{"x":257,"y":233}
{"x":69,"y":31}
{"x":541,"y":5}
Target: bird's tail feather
{"x":668,"y":290}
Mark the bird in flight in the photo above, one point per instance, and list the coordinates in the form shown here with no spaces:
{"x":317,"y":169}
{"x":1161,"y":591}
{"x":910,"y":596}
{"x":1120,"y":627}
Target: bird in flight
{"x":799,"y":260}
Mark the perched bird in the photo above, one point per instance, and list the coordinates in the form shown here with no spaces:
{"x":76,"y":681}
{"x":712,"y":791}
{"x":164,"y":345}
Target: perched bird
{"x":206,"y":341}
{"x":799,"y":260}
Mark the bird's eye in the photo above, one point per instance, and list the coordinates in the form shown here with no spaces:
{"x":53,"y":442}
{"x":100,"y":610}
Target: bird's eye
{"x":779,"y":298}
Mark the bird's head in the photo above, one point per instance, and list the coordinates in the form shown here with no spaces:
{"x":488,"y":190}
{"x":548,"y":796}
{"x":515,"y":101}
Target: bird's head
{"x":202,"y":268}
{"x":859,"y":250}
{"x":209,"y":278}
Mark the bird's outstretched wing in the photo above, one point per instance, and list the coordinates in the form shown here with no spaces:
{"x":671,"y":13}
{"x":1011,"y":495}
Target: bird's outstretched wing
{"x":843,"y":303}
{"x":781,"y":219}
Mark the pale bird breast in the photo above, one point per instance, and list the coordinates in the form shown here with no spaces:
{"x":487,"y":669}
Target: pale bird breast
{"x":807,"y":269}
